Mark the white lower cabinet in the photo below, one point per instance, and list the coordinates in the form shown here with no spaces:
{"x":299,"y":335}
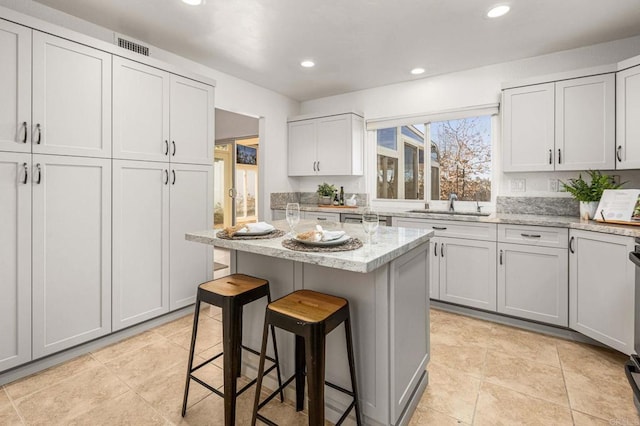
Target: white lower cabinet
{"x":462,"y":261}
{"x":468,"y":272}
{"x":71,"y":281}
{"x":533,"y":283}
{"x":191,"y":208}
{"x":602,"y":288}
{"x":140,"y":241}
{"x":15,"y":259}
{"x":321,"y":216}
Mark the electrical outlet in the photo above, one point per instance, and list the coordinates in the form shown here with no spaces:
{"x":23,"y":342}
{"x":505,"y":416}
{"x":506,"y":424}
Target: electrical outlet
{"x":554,"y":185}
{"x":518,"y":185}
{"x":616,"y":179}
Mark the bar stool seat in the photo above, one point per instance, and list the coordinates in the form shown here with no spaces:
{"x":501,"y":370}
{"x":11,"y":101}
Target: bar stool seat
{"x":310,"y":315}
{"x":230,"y":293}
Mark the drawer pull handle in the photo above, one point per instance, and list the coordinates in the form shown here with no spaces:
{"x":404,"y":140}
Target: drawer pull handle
{"x":531,"y":235}
{"x":440,"y":228}
{"x":321,"y":218}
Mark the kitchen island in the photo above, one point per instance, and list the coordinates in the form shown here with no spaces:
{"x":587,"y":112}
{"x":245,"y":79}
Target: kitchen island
{"x":387,"y":285}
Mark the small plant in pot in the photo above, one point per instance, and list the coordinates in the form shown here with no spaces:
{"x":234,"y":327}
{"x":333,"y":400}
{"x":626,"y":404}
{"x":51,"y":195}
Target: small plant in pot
{"x":325,"y":193}
{"x":589,"y":194}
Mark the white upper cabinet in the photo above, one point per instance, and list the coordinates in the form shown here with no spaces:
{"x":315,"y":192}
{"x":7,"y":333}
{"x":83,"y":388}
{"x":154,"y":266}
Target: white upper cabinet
{"x":15,"y":87}
{"x":566,"y":125}
{"x":140,"y":111}
{"x":326,"y":146}
{"x":528,"y":128}
{"x":628,"y":119}
{"x":71,"y":98}
{"x":191,"y":121}
{"x":585,"y":123}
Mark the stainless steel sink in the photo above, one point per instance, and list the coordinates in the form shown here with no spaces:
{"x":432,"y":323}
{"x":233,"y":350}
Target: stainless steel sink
{"x":446,"y":212}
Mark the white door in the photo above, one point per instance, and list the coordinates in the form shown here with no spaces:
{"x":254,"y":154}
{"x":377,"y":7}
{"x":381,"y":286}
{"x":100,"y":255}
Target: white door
{"x":71,"y":98}
{"x":585,"y":123}
{"x":528,"y":128}
{"x":302,"y":148}
{"x":15,"y":259}
{"x":628,"y":118}
{"x":15,"y":87}
{"x":435,"y":253}
{"x":140,"y":241}
{"x":191,"y":209}
{"x":602,"y":288}
{"x":192,"y":121}
{"x":468,"y":273}
{"x":140,"y":111}
{"x":533,"y":283}
{"x":334,"y":141}
{"x":71,"y":251}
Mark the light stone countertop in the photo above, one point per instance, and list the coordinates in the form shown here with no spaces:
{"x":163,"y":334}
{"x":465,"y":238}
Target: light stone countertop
{"x":390,"y":244}
{"x":571,"y":222}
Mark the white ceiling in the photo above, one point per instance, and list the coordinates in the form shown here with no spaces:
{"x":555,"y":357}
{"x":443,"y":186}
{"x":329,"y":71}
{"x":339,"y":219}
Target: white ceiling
{"x":357,"y":44}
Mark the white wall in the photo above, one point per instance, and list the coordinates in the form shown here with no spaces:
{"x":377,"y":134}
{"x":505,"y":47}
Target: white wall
{"x":467,"y":88}
{"x":232,"y":94}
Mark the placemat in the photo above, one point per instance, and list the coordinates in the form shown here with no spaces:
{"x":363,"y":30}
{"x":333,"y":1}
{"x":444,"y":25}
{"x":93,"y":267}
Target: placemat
{"x":350,"y":244}
{"x":275,"y":234}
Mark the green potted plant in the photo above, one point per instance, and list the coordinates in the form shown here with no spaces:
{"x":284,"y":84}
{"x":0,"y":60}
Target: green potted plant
{"x":589,"y":194}
{"x":325,"y":193}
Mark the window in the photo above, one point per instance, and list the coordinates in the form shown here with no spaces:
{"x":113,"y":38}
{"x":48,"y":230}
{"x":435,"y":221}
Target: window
{"x":459,"y":160}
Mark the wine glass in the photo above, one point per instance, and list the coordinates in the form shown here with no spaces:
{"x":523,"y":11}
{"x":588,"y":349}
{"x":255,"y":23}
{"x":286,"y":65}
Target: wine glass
{"x":370,"y":222}
{"x":293,"y":217}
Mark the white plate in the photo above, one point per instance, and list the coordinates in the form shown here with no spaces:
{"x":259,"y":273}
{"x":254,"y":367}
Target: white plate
{"x":335,"y":242}
{"x":253,"y":234}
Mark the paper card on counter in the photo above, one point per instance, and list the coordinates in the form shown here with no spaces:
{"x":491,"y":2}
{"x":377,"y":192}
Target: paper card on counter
{"x":618,"y":205}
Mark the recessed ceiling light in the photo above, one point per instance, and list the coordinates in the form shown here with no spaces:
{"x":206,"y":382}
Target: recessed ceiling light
{"x":417,"y":71}
{"x":307,"y":64}
{"x":193,"y":2}
{"x":498,"y":11}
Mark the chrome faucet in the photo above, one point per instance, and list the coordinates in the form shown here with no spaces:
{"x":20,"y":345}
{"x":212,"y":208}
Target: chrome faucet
{"x":452,"y":198}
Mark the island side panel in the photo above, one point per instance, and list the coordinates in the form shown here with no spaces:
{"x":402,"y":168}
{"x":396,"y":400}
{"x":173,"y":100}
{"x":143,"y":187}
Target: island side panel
{"x":409,"y":339}
{"x":368,"y":296}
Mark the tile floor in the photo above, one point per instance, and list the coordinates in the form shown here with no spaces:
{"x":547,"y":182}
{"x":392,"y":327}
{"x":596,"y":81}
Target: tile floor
{"x":481,"y":373}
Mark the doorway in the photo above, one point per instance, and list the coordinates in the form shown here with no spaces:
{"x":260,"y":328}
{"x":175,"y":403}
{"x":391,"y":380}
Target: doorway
{"x":236,"y":166}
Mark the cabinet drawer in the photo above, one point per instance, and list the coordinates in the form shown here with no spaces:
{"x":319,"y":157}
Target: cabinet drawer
{"x":450,"y":228}
{"x":322,"y":216}
{"x":533,"y":235}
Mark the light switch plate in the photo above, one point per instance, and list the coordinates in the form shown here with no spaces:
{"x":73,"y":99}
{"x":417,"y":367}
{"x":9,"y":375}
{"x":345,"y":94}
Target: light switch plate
{"x":518,"y":185}
{"x":554,"y":185}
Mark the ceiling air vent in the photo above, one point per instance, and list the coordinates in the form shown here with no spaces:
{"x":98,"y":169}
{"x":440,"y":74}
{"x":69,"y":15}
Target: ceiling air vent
{"x":132,"y":45}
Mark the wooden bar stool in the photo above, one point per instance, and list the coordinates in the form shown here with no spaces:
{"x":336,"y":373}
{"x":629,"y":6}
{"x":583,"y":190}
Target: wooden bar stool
{"x":230,"y":293}
{"x":310,"y":316}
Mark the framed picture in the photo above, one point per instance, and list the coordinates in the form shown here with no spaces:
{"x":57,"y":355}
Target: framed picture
{"x":246,"y":155}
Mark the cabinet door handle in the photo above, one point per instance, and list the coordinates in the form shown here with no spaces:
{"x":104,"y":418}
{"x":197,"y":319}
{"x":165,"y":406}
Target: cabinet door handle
{"x":442,"y":249}
{"x":166,"y":176}
{"x":550,"y":156}
{"x":24,"y":127}
{"x":571,"y":245}
{"x":435,"y":249}
{"x":618,"y":151}
{"x":26,"y":173}
{"x":39,"y":179}
{"x":166,"y":147}
{"x":314,"y":166}
{"x":501,"y":257}
{"x":173,"y":176}
{"x":318,"y":166}
{"x":439,"y":228}
{"x":39,"y":130}
{"x":531,"y":235}
{"x":173,"y":154}
{"x":559,"y":156}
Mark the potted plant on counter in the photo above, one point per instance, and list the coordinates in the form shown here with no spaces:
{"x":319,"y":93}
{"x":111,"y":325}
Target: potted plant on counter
{"x":325,"y":193}
{"x":589,"y":194}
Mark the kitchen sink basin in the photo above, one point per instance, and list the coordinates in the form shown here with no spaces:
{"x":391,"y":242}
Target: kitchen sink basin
{"x":446,"y":212}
